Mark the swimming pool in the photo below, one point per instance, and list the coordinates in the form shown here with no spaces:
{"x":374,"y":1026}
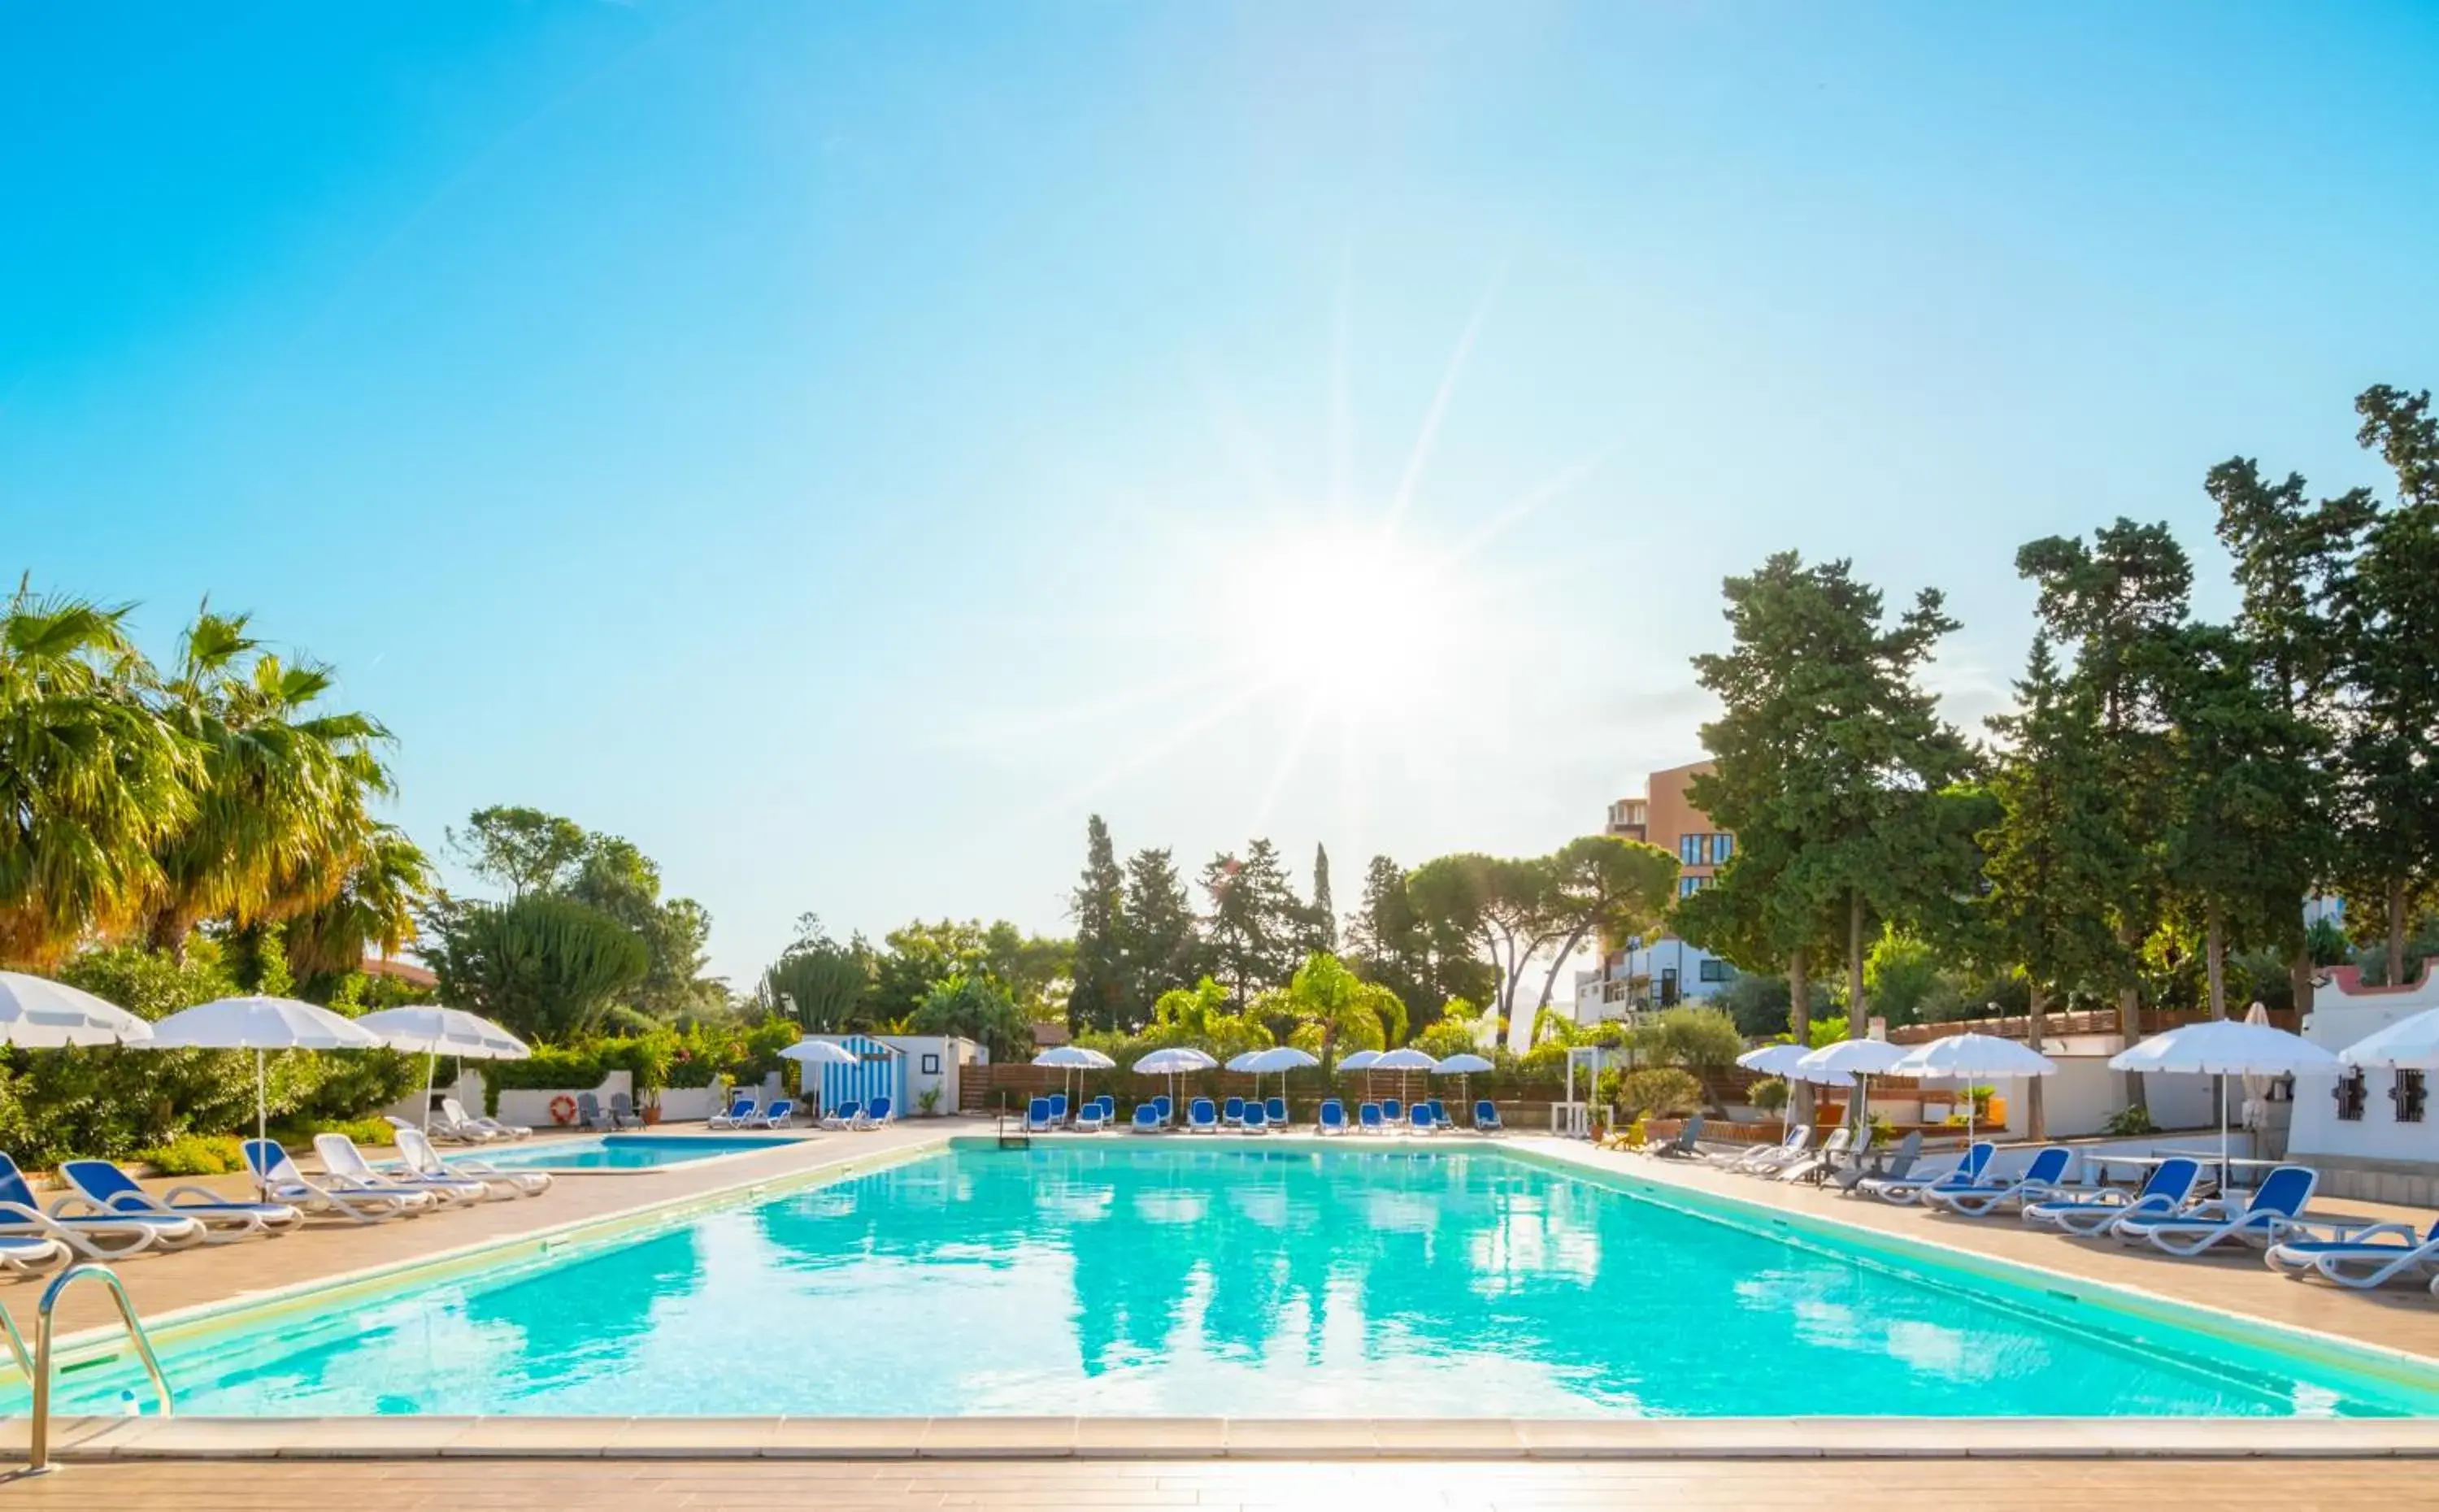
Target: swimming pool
{"x":1277,"y":1281}
{"x":621,"y":1152}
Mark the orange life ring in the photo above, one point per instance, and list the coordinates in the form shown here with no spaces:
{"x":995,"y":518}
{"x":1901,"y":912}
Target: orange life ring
{"x":562,"y":1109}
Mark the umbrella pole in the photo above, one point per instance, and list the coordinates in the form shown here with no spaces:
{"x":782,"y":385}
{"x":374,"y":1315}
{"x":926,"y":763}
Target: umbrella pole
{"x":431,"y":1065}
{"x":262,"y":1113}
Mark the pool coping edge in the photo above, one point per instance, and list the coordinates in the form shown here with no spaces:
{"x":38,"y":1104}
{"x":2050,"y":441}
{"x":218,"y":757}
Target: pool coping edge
{"x":1060,"y":1438}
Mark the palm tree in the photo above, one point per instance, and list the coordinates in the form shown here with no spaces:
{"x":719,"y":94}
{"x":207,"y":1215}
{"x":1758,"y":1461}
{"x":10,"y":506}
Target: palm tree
{"x":280,"y":819}
{"x":92,"y":781}
{"x":374,"y":907}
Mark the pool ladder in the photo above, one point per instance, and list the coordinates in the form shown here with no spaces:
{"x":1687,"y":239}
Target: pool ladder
{"x":38,"y":1366}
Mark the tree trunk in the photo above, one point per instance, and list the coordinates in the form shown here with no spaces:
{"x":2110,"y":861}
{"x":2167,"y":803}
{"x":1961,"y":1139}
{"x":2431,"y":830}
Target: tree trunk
{"x":169,"y":935}
{"x":1799,"y":1014}
{"x":2214,"y":944}
{"x":2129,"y":1025}
{"x":2396,"y":933}
{"x":1858,"y":1011}
{"x":2036,"y":1126}
{"x":2299,"y":978}
{"x":1550,"y":978}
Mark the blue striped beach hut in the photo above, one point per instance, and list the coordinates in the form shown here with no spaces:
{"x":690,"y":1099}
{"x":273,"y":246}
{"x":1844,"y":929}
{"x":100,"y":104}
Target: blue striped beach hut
{"x":878,"y":1072}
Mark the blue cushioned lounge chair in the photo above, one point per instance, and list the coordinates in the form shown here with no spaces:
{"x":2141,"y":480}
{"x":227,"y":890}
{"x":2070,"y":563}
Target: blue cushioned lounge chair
{"x":101,"y":1186}
{"x":1275,"y":1109}
{"x":2039,"y":1183}
{"x":1200,"y":1117}
{"x":2264,"y":1220}
{"x":2163,"y":1195}
{"x":1369,"y":1117}
{"x":1333,"y":1116}
{"x":1485,"y":1114}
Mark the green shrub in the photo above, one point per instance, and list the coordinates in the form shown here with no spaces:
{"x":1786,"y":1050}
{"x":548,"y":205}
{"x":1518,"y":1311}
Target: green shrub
{"x":195,"y":1155}
{"x":1769,"y":1094}
{"x":585,"y":1064}
{"x":295,"y":1133}
{"x":2130,"y":1121}
{"x":1661,"y":1090}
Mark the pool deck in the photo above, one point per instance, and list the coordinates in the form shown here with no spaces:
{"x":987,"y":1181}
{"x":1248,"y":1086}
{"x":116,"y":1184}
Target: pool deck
{"x":1100,"y":1459}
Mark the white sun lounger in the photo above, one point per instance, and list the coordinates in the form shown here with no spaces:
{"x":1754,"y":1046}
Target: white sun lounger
{"x":342,"y":1159}
{"x":101,"y":1186}
{"x":282,"y":1182}
{"x":2364,"y":1256}
{"x":420,"y":1158}
{"x":2264,"y":1220}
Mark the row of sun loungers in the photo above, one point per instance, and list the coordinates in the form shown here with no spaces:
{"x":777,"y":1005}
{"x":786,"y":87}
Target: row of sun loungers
{"x":1046,"y":1114}
{"x":2165,"y":1213}
{"x":108,"y":1216}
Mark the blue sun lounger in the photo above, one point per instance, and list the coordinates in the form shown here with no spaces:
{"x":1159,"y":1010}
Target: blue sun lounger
{"x":102,"y":1186}
{"x":740,"y":1109}
{"x":1485,"y":1116}
{"x":1333,"y":1117}
{"x":1369,"y":1117}
{"x":1200,"y":1117}
{"x":2264,"y":1220}
{"x":2040,"y":1182}
{"x":1232,"y":1112}
{"x":1392,"y":1110}
{"x":2171,"y":1183}
{"x":1147,"y":1119}
{"x":98,"y":1235}
{"x":1257,"y":1121}
{"x":1167,"y":1109}
{"x":1037,"y":1116}
{"x":1911,"y":1188}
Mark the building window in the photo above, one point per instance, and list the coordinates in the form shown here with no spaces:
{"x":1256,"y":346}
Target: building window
{"x":1714,"y":970}
{"x":2408,"y":1094}
{"x":931,"y":1064}
{"x":1689,"y":849}
{"x":1722,"y":847}
{"x":2350,"y":1096}
{"x":1686,"y":885}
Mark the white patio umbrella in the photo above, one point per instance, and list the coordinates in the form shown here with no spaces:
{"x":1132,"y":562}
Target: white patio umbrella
{"x":1277,"y":1060}
{"x":2255,"y":1112}
{"x":2408,"y":1044}
{"x":810,"y":1053}
{"x":262,"y":1024}
{"x":1848,"y":1060}
{"x":1975,"y":1057}
{"x":37,"y":1013}
{"x":1778,"y":1060}
{"x":1402,"y":1059}
{"x":435,"y":1031}
{"x":1172,"y":1064}
{"x":1075,"y":1058}
{"x":1462,"y":1066}
{"x":2226,"y":1047}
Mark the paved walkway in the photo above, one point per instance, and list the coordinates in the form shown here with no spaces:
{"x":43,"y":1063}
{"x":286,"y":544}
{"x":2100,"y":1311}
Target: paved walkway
{"x":1987,"y":1485}
{"x":2400,"y":1317}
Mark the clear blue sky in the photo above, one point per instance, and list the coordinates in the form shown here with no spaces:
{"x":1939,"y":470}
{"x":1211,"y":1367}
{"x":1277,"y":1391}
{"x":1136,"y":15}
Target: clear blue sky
{"x":840,"y":445}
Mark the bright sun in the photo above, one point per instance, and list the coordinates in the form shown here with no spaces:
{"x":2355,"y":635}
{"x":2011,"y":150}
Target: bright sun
{"x":1350,"y":617}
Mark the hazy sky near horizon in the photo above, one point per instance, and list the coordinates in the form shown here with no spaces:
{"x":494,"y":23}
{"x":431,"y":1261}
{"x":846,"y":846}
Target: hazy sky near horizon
{"x":840,"y":447}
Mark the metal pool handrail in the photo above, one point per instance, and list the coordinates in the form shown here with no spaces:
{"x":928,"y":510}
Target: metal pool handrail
{"x":39,"y":1459}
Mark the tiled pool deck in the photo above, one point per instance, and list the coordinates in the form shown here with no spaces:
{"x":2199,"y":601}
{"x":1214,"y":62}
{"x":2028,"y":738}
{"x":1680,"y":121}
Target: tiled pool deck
{"x":167,"y":1287}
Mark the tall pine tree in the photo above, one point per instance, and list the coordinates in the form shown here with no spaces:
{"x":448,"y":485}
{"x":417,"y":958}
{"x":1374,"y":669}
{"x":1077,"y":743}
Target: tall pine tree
{"x":2391,"y":747}
{"x":2294,"y":564}
{"x":1322,"y":914}
{"x":2055,"y":853}
{"x":1831,"y":764}
{"x":1097,"y":905}
{"x":1163,"y":950}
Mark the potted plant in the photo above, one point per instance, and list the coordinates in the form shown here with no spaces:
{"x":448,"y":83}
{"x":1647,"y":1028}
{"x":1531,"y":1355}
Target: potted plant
{"x":651,"y":1107}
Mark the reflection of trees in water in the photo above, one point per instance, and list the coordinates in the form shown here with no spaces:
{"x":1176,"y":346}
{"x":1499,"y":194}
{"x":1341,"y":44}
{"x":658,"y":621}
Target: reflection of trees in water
{"x":614,"y":1295}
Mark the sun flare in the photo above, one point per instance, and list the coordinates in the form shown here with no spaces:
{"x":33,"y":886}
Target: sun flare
{"x":1350,"y":617}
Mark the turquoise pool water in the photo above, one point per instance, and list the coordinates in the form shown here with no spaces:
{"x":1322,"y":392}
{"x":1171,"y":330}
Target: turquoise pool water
{"x":618,"y":1153}
{"x":1277,"y":1281}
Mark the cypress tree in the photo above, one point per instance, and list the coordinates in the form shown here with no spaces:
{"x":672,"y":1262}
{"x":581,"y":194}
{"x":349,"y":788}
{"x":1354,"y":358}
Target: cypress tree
{"x":1099,"y":908}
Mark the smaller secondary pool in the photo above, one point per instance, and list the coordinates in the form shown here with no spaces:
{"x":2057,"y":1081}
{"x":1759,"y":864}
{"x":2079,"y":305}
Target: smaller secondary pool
{"x":620,"y":1152}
